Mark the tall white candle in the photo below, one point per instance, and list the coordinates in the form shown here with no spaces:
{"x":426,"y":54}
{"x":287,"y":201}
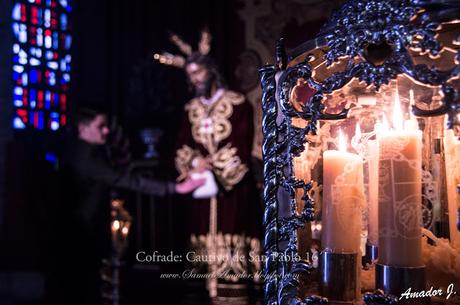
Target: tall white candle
{"x":400,"y":194}
{"x":343,"y":200}
{"x":373,"y":194}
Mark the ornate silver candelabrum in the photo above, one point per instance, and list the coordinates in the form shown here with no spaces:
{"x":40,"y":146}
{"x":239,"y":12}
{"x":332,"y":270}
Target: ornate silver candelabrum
{"x":385,"y":74}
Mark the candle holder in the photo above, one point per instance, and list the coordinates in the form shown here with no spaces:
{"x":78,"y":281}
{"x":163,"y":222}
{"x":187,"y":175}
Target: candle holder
{"x":339,"y":281}
{"x":371,"y":58}
{"x":397,"y":280}
{"x":372,"y":254}
{"x":110,"y":274}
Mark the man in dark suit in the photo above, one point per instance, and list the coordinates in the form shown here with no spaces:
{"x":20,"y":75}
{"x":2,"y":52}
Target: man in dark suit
{"x":88,"y":177}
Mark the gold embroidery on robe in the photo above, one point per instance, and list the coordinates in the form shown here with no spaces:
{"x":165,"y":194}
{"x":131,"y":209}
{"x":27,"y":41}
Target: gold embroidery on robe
{"x":184,"y":158}
{"x":228,"y":167}
{"x":210,"y":126}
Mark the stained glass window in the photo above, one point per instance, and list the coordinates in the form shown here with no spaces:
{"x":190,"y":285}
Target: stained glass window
{"x":41,"y":63}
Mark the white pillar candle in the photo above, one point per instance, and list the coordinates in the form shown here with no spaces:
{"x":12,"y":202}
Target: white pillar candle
{"x":373,"y":193}
{"x":400,"y":193}
{"x":343,"y":198}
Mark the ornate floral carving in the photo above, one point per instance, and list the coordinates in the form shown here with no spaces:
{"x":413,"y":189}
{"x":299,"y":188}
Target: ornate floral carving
{"x":359,"y":24}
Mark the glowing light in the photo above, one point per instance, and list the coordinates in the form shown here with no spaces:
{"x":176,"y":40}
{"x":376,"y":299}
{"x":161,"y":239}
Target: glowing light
{"x":411,"y":97}
{"x":342,"y":142}
{"x":116,"y":225}
{"x":383,"y":126}
{"x":358,"y":133}
{"x":398,"y":120}
{"x":18,"y":69}
{"x":18,"y":123}
{"x":54,"y":125}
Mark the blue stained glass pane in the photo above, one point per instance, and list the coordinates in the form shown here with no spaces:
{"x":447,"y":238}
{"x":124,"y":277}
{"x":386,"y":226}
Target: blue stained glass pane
{"x":47,"y":100}
{"x":54,"y":125}
{"x":18,"y":92}
{"x":33,"y":98}
{"x":16,"y":76}
{"x":53,"y":65}
{"x":16,"y":48}
{"x":68,"y":42}
{"x":18,"y":69}
{"x":55,"y":40}
{"x":40,"y":37}
{"x":34,"y":76}
{"x":40,"y":16}
{"x":48,"y":42}
{"x":63,"y":21}
{"x":22,"y":54}
{"x":41,"y":121}
{"x":64,"y":3}
{"x":37,"y":52}
{"x":63,"y":65}
{"x":22,"y":37}
{"x":16,"y":12}
{"x":34,"y":62}
{"x":18,"y":123}
{"x":25,"y":79}
{"x":49,"y":55}
{"x":47,"y":18}
{"x":52,"y":79}
{"x":41,"y":62}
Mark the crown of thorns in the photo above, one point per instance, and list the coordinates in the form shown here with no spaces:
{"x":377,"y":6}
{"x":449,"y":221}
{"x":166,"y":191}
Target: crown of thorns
{"x":204,"y":46}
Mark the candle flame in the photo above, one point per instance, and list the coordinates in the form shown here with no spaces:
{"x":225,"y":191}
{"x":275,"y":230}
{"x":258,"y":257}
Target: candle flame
{"x":124,"y":231}
{"x":358,"y":133}
{"x":342,"y":142}
{"x":412,"y":103}
{"x":116,"y":225}
{"x":385,"y":124}
{"x":411,"y":97}
{"x":398,"y":120}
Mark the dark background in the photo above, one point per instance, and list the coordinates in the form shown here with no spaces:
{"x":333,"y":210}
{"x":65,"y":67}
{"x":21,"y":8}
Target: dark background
{"x":112,"y":51}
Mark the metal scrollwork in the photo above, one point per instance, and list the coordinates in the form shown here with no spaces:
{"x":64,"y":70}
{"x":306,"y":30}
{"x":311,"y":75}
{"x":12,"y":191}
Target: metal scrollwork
{"x":379,"y":298}
{"x":362,"y":23}
{"x":271,"y":179}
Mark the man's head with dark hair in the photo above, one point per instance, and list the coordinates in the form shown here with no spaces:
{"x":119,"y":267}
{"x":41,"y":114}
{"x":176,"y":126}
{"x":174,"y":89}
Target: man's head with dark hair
{"x":203,"y":74}
{"x":91,"y":124}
